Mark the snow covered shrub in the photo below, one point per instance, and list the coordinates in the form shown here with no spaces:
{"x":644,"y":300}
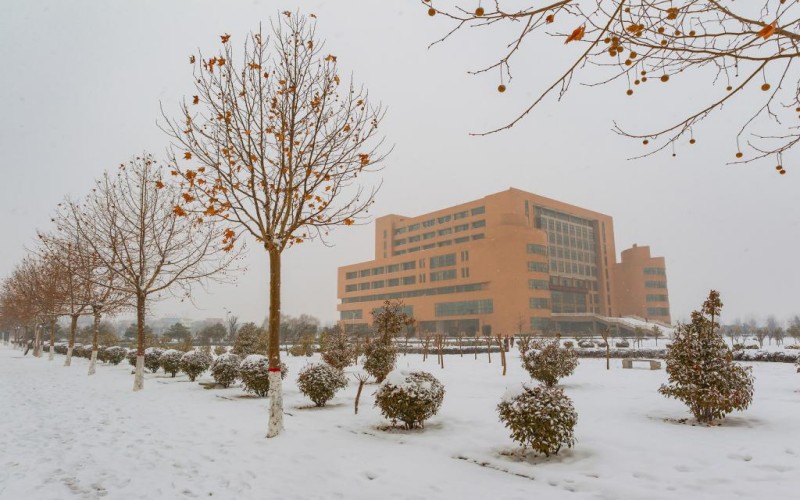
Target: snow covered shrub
{"x":220,"y":350}
{"x":193,"y":363}
{"x":337,"y":350}
{"x":152,"y":358}
{"x":586,"y":344}
{"x":131,"y":357}
{"x":410,"y":397}
{"x":380,"y":357}
{"x":254,"y":372}
{"x":701,"y":369}
{"x":114,"y":355}
{"x":569,"y":344}
{"x":622,"y":344}
{"x":523,"y":344}
{"x":548,"y":362}
{"x":250,"y":339}
{"x":170,"y":361}
{"x":540,"y":417}
{"x":225,"y":369}
{"x":320,"y":382}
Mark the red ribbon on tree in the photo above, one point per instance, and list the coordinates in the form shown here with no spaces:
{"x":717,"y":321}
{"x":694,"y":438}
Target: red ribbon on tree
{"x":274,"y":369}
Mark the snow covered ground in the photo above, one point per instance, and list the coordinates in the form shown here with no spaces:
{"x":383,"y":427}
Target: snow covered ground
{"x":66,"y":435}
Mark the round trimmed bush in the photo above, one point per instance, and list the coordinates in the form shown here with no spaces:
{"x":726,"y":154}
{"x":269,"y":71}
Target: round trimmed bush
{"x":193,"y":363}
{"x":338,"y":351}
{"x":254,"y":372}
{"x":622,"y":344}
{"x":225,"y":369}
{"x":171,"y":361}
{"x":540,"y":417}
{"x":152,"y":358}
{"x":320,"y":382}
{"x":586,"y":344}
{"x":114,"y":355}
{"x":131,"y":357}
{"x":548,"y":362}
{"x":410,"y":397}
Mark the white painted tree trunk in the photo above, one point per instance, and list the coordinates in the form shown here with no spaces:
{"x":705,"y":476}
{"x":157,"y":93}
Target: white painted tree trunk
{"x":93,"y":362}
{"x":275,"y":405}
{"x":37,"y":343}
{"x":138,"y":379}
{"x":68,"y":361}
{"x":52,"y":354}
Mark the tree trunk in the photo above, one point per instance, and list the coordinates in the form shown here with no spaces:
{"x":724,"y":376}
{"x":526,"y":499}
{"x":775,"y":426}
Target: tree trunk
{"x":93,"y":362}
{"x":274,"y":354}
{"x":73,"y":326}
{"x":502,"y":353}
{"x":52,"y":340}
{"x":37,"y":345}
{"x":138,"y":378}
{"x":361,"y":382}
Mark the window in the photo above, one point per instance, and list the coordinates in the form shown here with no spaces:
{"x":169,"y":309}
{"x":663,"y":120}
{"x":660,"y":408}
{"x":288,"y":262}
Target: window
{"x":443,"y":219}
{"x":399,"y":252}
{"x":400,"y":230}
{"x":351,"y":275}
{"x":538,"y":303}
{"x":460,"y":215}
{"x":538,"y":267}
{"x":537,"y":249}
{"x":429,"y":223}
{"x":428,"y":236}
{"x":478,"y":236}
{"x":484,"y":306}
{"x":378,"y":270}
{"x":449,"y":274}
{"x":464,"y":255}
{"x":478,"y":223}
{"x":393,"y":268}
{"x":540,"y":324}
{"x":362,"y":273}
{"x":462,"y":239}
{"x":412,"y":264}
{"x":655,"y":284}
{"x":465,"y":272}
{"x":350,"y":288}
{"x":401,"y":241}
{"x":655,"y":271}
{"x":394,"y":282}
{"x":657,"y":298}
{"x":413,"y":227}
{"x":413,"y":249}
{"x":478,"y":210}
{"x":418,"y":292}
{"x":444,"y":243}
{"x":658,"y":311}
{"x":377,"y":284}
{"x":446,"y":231}
{"x":412,"y":239}
{"x":352,"y":314}
{"x":461,"y":227}
{"x":363,"y":286}
{"x":410,"y":280}
{"x":443,"y":260}
{"x":538,"y":284}
{"x":429,"y":246}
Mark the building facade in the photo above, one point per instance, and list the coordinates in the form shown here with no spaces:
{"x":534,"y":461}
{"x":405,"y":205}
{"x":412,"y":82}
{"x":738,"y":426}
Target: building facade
{"x":511,"y":262}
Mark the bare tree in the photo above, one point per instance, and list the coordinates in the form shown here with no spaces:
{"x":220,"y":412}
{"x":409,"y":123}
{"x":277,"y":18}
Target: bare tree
{"x":761,"y":333}
{"x":233,"y":326}
{"x":605,"y":334}
{"x":274,"y":146}
{"x":740,"y":47}
{"x":132,"y":224}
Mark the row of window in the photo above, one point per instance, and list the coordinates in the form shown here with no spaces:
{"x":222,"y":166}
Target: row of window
{"x":485,"y":306}
{"x":352,"y":314}
{"x":442,"y":290}
{"x":655,"y":284}
{"x":442,"y":232}
{"x":538,"y":284}
{"x":537,"y":249}
{"x":537,"y":267}
{"x":440,"y":244}
{"x":443,"y":260}
{"x":540,"y":324}
{"x":538,"y":303}
{"x":449,"y":274}
{"x":565,"y":266}
{"x":569,"y":302}
{"x":376,"y":271}
{"x":657,"y":298}
{"x":658,"y":311}
{"x":655,"y":271}
{"x":444,"y":219}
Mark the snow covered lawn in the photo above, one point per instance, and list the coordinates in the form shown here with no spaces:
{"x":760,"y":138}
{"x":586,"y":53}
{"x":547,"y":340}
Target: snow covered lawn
{"x":66,"y":435}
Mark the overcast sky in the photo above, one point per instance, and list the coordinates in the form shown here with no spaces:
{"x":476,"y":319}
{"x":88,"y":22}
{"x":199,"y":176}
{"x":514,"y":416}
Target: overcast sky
{"x":81,"y":83}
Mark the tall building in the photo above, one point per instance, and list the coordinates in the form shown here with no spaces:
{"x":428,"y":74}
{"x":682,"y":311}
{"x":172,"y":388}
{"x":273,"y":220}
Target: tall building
{"x":511,"y":262}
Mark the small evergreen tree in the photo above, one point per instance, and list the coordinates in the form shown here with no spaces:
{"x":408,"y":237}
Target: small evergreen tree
{"x":548,"y":362}
{"x":152,"y":358}
{"x":193,"y":363}
{"x":250,"y":339}
{"x":540,"y":417}
{"x":381,"y":353}
{"x":254,"y":372}
{"x":320,"y":382}
{"x":337,"y":350}
{"x":170,"y":361}
{"x":701,"y":369}
{"x":225,"y":369}
{"x":410,"y":397}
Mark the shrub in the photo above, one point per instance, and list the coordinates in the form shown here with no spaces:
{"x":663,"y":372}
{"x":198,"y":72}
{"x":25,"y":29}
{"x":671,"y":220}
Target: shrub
{"x":152,"y":358}
{"x":586,"y":344}
{"x":569,"y":344}
{"x":193,"y":363}
{"x":540,"y":417}
{"x":523,"y":344}
{"x":114,"y":355}
{"x":225,"y":369}
{"x":306,"y":346}
{"x":547,"y":362}
{"x":337,"y":350}
{"x":220,"y":350}
{"x":410,"y":397}
{"x":131,"y":357}
{"x":701,"y":369}
{"x":380,"y":356}
{"x":171,"y":361}
{"x":622,"y":344}
{"x":320,"y":382}
{"x":254,"y":372}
